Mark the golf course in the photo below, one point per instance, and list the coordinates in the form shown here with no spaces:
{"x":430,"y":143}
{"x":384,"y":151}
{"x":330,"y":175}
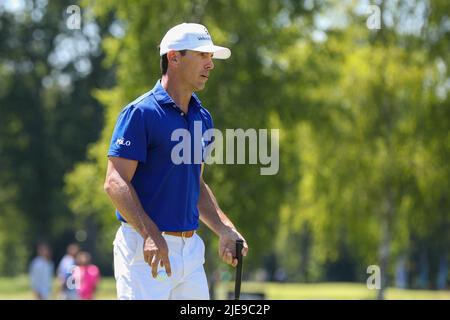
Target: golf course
{"x":18,"y":288}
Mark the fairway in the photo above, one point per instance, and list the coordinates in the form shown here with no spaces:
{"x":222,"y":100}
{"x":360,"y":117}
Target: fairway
{"x":18,"y":288}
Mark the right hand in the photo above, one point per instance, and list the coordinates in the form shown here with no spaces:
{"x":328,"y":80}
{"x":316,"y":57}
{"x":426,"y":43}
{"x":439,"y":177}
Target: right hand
{"x":156,"y":252}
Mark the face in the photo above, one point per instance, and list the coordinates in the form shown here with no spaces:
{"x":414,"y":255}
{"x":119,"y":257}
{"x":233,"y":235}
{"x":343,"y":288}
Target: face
{"x":193,"y":68}
{"x":73,"y":250}
{"x":44,"y":251}
{"x":83,"y":259}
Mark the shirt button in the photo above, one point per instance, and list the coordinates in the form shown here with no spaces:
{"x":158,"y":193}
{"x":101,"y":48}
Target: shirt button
{"x":182,"y":114}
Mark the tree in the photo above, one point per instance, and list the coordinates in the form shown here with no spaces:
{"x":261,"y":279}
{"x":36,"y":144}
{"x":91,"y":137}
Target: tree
{"x":360,"y":154}
{"x":48,"y":118}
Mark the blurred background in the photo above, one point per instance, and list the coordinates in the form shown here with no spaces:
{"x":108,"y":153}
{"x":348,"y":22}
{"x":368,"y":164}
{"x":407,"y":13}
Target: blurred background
{"x":358,"y":89}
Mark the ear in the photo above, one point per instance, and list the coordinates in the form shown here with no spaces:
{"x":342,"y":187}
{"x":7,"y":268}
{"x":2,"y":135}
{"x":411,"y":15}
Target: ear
{"x":172,"y":56}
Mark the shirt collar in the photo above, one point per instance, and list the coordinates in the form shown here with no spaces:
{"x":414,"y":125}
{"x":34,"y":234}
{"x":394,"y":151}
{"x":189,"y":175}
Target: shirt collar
{"x":163,"y":97}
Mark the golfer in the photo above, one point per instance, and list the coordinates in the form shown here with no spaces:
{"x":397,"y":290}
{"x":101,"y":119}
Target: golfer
{"x":159,"y":200}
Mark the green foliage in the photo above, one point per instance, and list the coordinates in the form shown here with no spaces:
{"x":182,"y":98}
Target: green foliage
{"x":370,"y":147}
{"x":48,"y":118}
{"x":363,"y":118}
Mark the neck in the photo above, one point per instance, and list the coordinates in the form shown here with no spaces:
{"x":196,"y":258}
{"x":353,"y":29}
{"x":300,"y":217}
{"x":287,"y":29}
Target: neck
{"x":180,"y":94}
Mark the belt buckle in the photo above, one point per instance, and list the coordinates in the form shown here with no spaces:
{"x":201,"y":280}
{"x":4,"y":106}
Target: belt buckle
{"x":183,"y":234}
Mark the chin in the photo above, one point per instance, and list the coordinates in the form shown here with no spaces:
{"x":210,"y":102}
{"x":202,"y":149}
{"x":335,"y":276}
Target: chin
{"x":200,"y":87}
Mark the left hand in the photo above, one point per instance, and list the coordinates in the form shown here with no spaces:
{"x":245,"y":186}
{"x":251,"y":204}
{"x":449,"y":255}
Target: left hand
{"x":227,"y":246}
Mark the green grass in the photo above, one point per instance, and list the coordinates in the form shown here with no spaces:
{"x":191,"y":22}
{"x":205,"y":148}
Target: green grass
{"x":329,"y":291}
{"x":18,"y":288}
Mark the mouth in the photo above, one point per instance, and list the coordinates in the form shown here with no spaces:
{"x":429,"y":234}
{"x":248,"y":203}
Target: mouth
{"x":204,"y":76}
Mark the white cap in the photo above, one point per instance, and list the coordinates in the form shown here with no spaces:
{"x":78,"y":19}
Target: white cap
{"x":191,"y":36}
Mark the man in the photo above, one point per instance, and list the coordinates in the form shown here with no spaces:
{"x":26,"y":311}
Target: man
{"x":65,"y":273}
{"x":157,"y":252}
{"x":41,"y":273}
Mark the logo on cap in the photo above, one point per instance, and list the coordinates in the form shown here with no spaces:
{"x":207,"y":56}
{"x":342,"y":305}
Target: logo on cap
{"x":207,"y":37}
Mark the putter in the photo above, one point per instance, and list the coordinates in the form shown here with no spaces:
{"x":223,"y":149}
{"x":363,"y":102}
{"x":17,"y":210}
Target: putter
{"x":238,"y":280}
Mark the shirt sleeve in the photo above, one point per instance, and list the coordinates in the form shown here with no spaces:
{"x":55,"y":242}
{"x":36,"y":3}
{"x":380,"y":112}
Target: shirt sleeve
{"x":130,"y":138}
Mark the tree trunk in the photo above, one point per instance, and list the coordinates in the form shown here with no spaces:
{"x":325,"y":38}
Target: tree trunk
{"x":385,"y":245}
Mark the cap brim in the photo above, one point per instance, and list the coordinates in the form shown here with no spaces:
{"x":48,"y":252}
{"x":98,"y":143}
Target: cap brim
{"x":219,"y":52}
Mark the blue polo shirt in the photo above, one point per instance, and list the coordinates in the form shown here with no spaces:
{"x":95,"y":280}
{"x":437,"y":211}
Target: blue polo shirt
{"x":151,"y":130}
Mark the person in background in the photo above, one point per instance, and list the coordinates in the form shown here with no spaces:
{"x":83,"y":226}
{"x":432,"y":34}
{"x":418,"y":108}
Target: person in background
{"x":41,"y":273}
{"x":65,"y":273}
{"x":88,"y":276}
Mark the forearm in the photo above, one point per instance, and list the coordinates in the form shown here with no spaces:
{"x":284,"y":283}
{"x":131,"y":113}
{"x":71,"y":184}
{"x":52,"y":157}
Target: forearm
{"x":125,"y":199}
{"x":210,"y":212}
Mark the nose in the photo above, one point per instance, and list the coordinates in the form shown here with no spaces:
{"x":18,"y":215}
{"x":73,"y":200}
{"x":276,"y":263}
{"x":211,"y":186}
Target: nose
{"x":210,"y":64}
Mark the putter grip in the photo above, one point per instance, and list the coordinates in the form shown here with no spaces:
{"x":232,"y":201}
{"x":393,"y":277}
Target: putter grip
{"x":237,"y":287}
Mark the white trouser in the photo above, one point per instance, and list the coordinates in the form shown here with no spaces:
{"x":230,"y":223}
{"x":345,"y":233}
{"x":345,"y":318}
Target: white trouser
{"x":134,"y":278}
